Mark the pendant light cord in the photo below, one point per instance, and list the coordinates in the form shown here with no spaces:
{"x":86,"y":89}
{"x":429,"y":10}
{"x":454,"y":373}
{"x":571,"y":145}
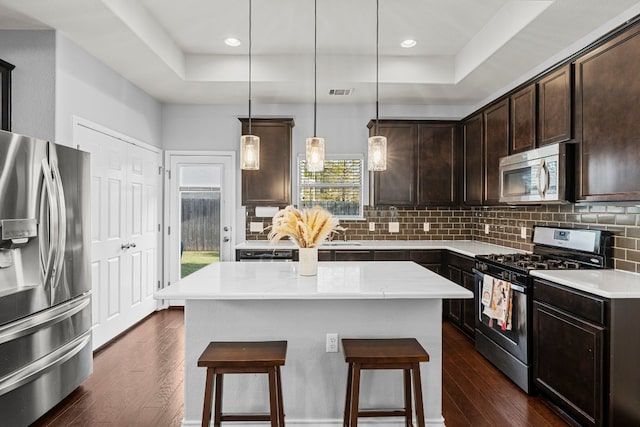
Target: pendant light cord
{"x":250,"y":67}
{"x":377,"y":61}
{"x":315,"y":65}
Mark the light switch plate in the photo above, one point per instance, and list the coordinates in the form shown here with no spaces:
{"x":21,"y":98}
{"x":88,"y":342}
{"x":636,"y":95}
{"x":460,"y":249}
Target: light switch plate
{"x":486,"y":229}
{"x":256,"y":227}
{"x":372,"y":226}
{"x":523,"y":232}
{"x":394,"y":227}
{"x":426,"y":226}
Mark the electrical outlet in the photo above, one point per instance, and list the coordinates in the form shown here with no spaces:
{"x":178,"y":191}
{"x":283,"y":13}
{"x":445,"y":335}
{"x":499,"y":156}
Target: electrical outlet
{"x":426,"y":226}
{"x":394,"y":227}
{"x":523,"y":232}
{"x":372,"y":226}
{"x":332,"y":343}
{"x":256,"y":227}
{"x":486,"y":229}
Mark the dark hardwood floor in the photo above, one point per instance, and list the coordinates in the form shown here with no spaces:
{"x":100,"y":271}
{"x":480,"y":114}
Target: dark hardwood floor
{"x":137,"y":381}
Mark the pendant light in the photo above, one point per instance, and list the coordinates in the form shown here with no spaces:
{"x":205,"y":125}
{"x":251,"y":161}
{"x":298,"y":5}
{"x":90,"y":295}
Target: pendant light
{"x":250,"y":144}
{"x":377,"y":147}
{"x":315,"y":145}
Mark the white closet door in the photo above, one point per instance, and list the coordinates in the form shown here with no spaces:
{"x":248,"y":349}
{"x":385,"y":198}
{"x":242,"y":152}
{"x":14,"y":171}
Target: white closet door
{"x":125,"y":188}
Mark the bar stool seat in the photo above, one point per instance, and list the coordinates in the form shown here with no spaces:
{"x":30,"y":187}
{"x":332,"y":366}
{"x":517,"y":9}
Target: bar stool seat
{"x":392,"y":353}
{"x":243,"y":358}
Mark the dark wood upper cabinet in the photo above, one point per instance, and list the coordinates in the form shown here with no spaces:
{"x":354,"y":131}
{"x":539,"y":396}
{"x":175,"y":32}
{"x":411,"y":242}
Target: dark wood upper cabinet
{"x":523,"y":120}
{"x":473,"y":133}
{"x":396,"y":186}
{"x":421,"y":164}
{"x":496,"y":141}
{"x":555,"y":106}
{"x":607,"y":125}
{"x":5,"y":95}
{"x":437,"y":164}
{"x":271,"y":185}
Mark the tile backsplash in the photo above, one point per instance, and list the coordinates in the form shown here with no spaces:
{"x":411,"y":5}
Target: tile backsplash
{"x":504,"y":225}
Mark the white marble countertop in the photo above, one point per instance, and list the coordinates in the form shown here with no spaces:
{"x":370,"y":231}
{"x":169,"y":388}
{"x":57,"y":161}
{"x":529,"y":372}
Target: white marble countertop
{"x":465,"y":247}
{"x":605,"y":283}
{"x":335,"y":280}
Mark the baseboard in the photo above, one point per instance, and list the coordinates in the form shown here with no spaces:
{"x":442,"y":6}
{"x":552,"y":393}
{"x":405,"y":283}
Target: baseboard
{"x":332,"y":422}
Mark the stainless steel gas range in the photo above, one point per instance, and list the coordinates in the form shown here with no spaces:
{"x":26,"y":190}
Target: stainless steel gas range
{"x":503,"y":293}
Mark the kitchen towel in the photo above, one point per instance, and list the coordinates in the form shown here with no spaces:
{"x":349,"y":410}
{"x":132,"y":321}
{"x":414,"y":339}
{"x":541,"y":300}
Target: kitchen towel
{"x":499,"y":306}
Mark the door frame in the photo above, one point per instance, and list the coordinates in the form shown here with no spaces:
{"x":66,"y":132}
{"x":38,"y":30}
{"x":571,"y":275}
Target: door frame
{"x":229,"y":183}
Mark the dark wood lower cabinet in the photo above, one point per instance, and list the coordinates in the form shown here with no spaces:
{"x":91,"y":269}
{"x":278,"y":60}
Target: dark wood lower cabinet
{"x":585,"y":354}
{"x":461,"y":311}
{"x":354,"y":255}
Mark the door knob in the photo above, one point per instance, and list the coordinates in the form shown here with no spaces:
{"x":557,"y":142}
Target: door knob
{"x":225,"y":228}
{"x":125,"y":246}
{"x":226,"y":239}
{"x":132,"y":245}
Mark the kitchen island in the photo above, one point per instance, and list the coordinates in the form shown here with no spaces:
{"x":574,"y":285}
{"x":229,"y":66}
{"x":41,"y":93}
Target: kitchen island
{"x":270,"y":301}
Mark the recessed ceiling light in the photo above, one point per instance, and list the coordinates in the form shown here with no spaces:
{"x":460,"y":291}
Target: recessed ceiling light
{"x":408,"y":43}
{"x":232,"y":41}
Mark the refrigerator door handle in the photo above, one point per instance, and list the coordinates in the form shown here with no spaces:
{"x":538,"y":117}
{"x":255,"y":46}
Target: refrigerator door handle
{"x":48,"y":263}
{"x":61,"y":238}
{"x":44,"y":364}
{"x":31,"y":324}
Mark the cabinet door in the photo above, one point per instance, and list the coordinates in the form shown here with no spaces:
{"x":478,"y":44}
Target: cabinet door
{"x":396,"y":186}
{"x":554,"y":107}
{"x":568,"y":362}
{"x":325,"y":255}
{"x":454,"y":306}
{"x":496,"y":141}
{"x":473,"y":176}
{"x":271,"y":185}
{"x":607,"y":125}
{"x":468,"y":305}
{"x":437,"y":164}
{"x":523,"y":120}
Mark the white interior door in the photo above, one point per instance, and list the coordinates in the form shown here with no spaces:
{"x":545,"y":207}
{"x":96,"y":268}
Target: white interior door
{"x":209,"y":178}
{"x":125,"y":189}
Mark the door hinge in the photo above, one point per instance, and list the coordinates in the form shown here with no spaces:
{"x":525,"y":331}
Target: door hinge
{"x":168,"y":174}
{"x":159,"y":229}
{"x":159,"y":170}
{"x":168,"y":284}
{"x":158,"y":284}
{"x":169,"y":230}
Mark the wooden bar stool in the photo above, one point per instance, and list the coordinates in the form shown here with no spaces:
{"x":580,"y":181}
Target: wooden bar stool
{"x":393,"y":353}
{"x":243,"y":358}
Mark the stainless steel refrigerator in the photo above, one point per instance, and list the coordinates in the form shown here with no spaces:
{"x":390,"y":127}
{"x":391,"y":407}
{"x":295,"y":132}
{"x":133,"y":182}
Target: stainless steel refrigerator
{"x":45,"y":282}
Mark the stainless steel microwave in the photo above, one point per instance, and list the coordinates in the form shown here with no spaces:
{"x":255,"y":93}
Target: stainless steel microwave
{"x":537,"y":176}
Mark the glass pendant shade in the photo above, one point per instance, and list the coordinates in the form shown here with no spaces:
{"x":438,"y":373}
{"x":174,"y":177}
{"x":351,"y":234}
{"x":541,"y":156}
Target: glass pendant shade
{"x":250,"y":152}
{"x":315,"y":154}
{"x":377,"y":153}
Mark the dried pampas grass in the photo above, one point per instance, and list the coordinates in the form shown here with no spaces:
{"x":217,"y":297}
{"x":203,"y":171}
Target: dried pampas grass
{"x":307,"y":227}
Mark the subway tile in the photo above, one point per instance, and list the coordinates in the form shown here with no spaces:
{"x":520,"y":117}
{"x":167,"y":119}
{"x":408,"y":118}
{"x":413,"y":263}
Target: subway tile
{"x":633,"y":256}
{"x":633,"y":209}
{"x":633,"y":232}
{"x":615,"y":209}
{"x":597,"y":208}
{"x":626,"y":219}
{"x":623,"y":242}
{"x":624,"y":265}
{"x":606,"y":219}
{"x":589,"y":218}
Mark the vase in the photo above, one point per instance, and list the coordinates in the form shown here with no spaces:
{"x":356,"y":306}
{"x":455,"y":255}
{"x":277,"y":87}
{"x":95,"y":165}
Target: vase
{"x":308,"y":261}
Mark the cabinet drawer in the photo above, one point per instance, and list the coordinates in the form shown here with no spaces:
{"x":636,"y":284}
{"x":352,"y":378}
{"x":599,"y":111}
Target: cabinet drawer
{"x":354,"y":256}
{"x":325,"y":255}
{"x":461,"y":261}
{"x":391,"y":256}
{"x":426,"y":257}
{"x":587,"y":306}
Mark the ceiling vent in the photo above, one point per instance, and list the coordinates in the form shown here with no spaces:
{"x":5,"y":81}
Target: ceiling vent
{"x":340,"y":92}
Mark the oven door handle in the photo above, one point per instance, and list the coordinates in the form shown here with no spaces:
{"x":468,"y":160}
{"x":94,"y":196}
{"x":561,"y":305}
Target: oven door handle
{"x":517,"y":288}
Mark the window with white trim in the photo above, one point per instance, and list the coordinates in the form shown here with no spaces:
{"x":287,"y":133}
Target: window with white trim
{"x":338,"y":188}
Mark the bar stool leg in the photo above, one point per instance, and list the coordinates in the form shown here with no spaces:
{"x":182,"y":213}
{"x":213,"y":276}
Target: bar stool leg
{"x":208,"y":390}
{"x":218,"y":404}
{"x":347,"y":403}
{"x":280,"y":403}
{"x":355,"y":395}
{"x":407,"y":398}
{"x":273,"y":399}
{"x":417,"y":391}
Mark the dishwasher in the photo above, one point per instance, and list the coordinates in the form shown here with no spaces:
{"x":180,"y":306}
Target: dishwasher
{"x":265,"y":255}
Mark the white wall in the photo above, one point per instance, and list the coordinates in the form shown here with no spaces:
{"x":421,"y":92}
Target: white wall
{"x":33,"y":80}
{"x":87,"y":88}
